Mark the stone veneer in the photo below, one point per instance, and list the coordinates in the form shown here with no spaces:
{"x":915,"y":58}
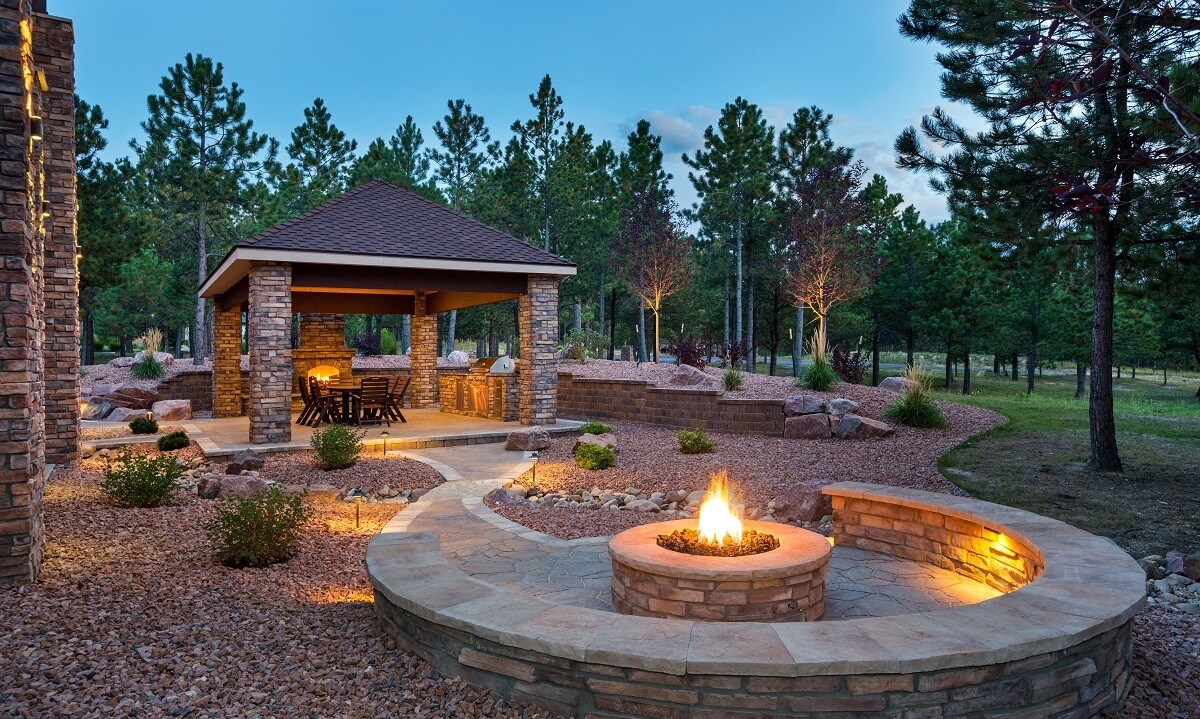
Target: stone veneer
{"x":322,"y":342}
{"x":39,"y":382}
{"x":502,"y":392}
{"x":538,"y":327}
{"x":1058,"y":647}
{"x":786,"y":584}
{"x":227,"y":362}
{"x":686,"y":408}
{"x":423,"y":355}
{"x":270,"y":340}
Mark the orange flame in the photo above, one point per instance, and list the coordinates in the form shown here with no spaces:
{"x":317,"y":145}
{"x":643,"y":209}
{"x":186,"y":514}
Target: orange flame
{"x":718,"y":523}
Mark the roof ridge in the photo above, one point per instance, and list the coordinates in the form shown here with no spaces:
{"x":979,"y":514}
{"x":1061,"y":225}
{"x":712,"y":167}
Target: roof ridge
{"x":293,"y":220}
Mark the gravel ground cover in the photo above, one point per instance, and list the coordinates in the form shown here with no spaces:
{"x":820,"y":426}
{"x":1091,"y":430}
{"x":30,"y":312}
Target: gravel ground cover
{"x":368,"y":473}
{"x":131,"y":616}
{"x":1166,"y":666}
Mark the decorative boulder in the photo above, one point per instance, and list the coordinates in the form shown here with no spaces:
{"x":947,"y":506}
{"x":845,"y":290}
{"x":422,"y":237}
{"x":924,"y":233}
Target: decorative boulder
{"x":898,"y":385}
{"x":505,"y":498}
{"x":854,"y":427}
{"x":244,"y":459}
{"x":97,"y":410}
{"x":517,"y":491}
{"x":125,"y":414}
{"x":458,"y":357}
{"x":527,"y":440}
{"x":841,"y":406}
{"x":604,"y":440}
{"x":807,"y":426}
{"x":686,"y":375}
{"x":98,"y":391}
{"x":1180,"y":563}
{"x":695,"y":497}
{"x":171,"y":410}
{"x":324,"y":493}
{"x":165,"y":359}
{"x":208,"y":485}
{"x":803,"y":502}
{"x":132,"y":396}
{"x":243,"y":486}
{"x":643,"y":505}
{"x":86,"y":450}
{"x":120,"y":362}
{"x":799,"y":404}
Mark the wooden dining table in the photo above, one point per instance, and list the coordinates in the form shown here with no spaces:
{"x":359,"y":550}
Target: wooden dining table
{"x":347,"y":389}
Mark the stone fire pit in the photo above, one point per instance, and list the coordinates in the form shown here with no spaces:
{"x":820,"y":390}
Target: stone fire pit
{"x":785,"y":584}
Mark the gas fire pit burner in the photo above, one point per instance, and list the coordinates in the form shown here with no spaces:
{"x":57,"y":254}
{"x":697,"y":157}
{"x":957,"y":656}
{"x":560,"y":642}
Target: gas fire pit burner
{"x":688,"y":541}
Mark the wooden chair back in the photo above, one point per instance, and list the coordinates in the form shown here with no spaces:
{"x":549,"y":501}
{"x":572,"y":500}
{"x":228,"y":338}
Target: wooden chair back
{"x":305,"y":395}
{"x":374,"y":390}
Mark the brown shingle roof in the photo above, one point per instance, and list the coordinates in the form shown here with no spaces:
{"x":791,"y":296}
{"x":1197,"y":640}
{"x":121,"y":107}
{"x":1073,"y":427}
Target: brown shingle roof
{"x":379,"y":218}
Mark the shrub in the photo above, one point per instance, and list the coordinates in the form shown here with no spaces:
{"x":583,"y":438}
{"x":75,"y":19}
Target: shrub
{"x":594,"y":456}
{"x":140,"y":480}
{"x":694,"y":441}
{"x":387,"y":342}
{"x":173,"y":441}
{"x":818,"y":376}
{"x":915,"y":408}
{"x":733,"y":380}
{"x":595,"y":428}
{"x":338,"y":446}
{"x":692,"y":352}
{"x":849,"y":367}
{"x":143,"y":425}
{"x":259,"y":530}
{"x":148,"y":367}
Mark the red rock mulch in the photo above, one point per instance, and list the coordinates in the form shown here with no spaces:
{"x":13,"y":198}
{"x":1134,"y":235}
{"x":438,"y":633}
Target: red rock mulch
{"x":369,"y":473}
{"x":132,"y":617}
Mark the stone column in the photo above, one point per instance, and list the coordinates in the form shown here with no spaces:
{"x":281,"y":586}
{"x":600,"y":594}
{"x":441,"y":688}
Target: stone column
{"x":538,"y":319}
{"x":22,"y":425}
{"x":423,"y":354}
{"x":270,"y":339}
{"x":227,"y":361}
{"x":53,"y":51}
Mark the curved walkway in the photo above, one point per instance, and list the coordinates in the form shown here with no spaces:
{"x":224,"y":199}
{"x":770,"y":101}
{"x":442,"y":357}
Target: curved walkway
{"x":492,"y":549}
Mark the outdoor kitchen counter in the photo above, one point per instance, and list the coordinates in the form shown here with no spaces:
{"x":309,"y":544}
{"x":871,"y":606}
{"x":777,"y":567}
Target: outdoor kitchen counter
{"x":490,"y":396}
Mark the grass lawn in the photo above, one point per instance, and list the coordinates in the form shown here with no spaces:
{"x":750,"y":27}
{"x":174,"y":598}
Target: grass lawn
{"x":1037,"y":461}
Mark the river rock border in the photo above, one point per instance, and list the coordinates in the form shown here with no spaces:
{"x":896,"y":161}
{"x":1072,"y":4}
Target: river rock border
{"x":1058,"y":645}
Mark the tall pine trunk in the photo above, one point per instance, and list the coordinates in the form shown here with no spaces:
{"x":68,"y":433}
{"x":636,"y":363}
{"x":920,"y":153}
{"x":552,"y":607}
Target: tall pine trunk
{"x":641,"y":332}
{"x":87,"y":355}
{"x":600,"y":305}
{"x":741,"y":336}
{"x":612,"y":325}
{"x":798,"y":341}
{"x":949,"y":365}
{"x":751,"y":349}
{"x":725,"y":312}
{"x":451,"y":328}
{"x":875,"y":331}
{"x":198,"y":337}
{"x":910,"y":346}
{"x":577,"y":314}
{"x":1016,"y":363}
{"x":966,"y":388}
{"x":405,"y":333}
{"x":1030,"y":364}
{"x":1080,"y":379}
{"x":1101,"y":423}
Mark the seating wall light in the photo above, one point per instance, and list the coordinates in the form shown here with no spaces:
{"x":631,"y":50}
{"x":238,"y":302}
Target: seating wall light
{"x":35,"y":128}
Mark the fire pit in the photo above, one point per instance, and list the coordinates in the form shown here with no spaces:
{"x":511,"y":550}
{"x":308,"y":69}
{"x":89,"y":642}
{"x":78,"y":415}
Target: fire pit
{"x":719,"y":567}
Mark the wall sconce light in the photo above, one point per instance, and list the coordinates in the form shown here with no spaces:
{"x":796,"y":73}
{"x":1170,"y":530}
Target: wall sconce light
{"x":35,"y":128}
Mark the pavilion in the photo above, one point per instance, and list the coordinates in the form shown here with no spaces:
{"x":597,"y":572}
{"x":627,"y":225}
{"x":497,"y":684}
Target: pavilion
{"x":377,"y":249}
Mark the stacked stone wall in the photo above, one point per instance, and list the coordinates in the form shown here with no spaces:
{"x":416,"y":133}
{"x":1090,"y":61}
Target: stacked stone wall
{"x":270,"y":339}
{"x":538,"y":326}
{"x":424,"y":390}
{"x":227,"y":387}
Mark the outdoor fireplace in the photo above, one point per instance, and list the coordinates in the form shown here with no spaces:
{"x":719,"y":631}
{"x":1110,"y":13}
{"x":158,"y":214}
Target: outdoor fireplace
{"x":719,"y":567}
{"x":324,"y":373}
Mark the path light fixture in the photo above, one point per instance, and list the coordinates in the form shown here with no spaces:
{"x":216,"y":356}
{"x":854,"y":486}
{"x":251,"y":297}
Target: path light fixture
{"x":535,"y":456}
{"x":356,"y":494}
{"x":384,"y":434}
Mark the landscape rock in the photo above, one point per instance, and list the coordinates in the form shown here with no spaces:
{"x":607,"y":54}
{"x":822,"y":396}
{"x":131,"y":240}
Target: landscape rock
{"x":841,"y":407}
{"x":97,"y":410}
{"x":899,"y":385}
{"x":696,"y":497}
{"x":504,"y":498}
{"x":459,"y":356}
{"x":1179,"y":563}
{"x":517,"y":491}
{"x":807,"y":426}
{"x":527,"y":440}
{"x":120,"y":362}
{"x":418,"y":493}
{"x":86,"y":450}
{"x":323,"y":493}
{"x":604,"y":440}
{"x":803,"y":404}
{"x":243,"y":460}
{"x":166,"y":359}
{"x":131,"y":396}
{"x":208,"y":486}
{"x":642,"y":505}
{"x":854,"y":427}
{"x":243,"y":486}
{"x":125,"y":414}
{"x":686,"y":375}
{"x":171,"y":410}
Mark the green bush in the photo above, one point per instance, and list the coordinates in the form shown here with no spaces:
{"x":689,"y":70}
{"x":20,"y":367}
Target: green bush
{"x":694,"y":441}
{"x":140,"y":480}
{"x":915,"y":408}
{"x":143,"y":425}
{"x":594,"y":456}
{"x":733,"y":380}
{"x":173,"y":441}
{"x":595,"y":428}
{"x":818,"y":376}
{"x":337,"y":446}
{"x":259,"y":530}
{"x":147,"y":367}
{"x":387,"y":342}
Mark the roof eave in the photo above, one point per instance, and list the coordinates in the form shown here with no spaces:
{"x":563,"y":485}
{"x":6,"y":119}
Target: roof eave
{"x":236,"y":265}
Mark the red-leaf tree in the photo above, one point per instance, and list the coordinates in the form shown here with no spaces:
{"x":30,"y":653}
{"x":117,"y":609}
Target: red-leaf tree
{"x":827,"y":249}
{"x":651,"y":252}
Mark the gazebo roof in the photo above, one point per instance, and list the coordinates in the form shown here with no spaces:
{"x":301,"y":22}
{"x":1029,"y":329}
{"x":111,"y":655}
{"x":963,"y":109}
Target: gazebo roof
{"x":379,"y":225}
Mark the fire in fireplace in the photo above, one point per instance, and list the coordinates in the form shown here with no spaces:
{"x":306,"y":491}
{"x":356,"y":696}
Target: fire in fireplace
{"x":719,"y":531}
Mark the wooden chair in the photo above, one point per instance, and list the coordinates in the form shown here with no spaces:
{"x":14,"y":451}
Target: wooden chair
{"x":325,"y":405}
{"x":306,"y":397}
{"x":371,"y":403}
{"x":395,"y":405}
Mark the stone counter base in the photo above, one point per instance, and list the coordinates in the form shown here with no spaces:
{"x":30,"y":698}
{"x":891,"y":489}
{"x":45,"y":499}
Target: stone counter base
{"x":1069,"y":684}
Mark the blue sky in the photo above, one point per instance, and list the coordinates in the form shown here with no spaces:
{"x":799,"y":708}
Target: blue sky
{"x":674,"y":63}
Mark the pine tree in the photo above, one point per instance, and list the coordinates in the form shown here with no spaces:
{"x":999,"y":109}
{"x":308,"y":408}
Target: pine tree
{"x":200,"y":154}
{"x":540,"y":138}
{"x":321,"y":153}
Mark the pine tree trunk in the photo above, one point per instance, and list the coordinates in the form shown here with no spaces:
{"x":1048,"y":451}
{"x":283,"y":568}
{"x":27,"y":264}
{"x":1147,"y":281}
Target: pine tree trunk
{"x":966,"y":388}
{"x":577,"y":314}
{"x":178,"y":341}
{"x":910,"y":346}
{"x":405,"y":333}
{"x":1133,"y":370}
{"x":87,"y":346}
{"x":1030,"y":364}
{"x":641,"y":332}
{"x":479,"y":347}
{"x":1080,"y":379}
{"x":198,"y":346}
{"x":875,"y":331}
{"x":996,"y":364}
{"x":1102,"y":423}
{"x":600,"y":305}
{"x":1164,"y":375}
{"x":612,"y":325}
{"x":741,"y":337}
{"x":798,"y":341}
{"x":949,"y":366}
{"x":451,"y":329}
{"x":656,"y":337}
{"x":751,"y":349}
{"x":1016,"y":361}
{"x":725,"y":312}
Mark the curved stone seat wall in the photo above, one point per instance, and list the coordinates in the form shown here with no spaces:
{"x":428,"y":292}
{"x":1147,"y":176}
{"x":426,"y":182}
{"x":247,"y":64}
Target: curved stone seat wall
{"x":1057,"y":647}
